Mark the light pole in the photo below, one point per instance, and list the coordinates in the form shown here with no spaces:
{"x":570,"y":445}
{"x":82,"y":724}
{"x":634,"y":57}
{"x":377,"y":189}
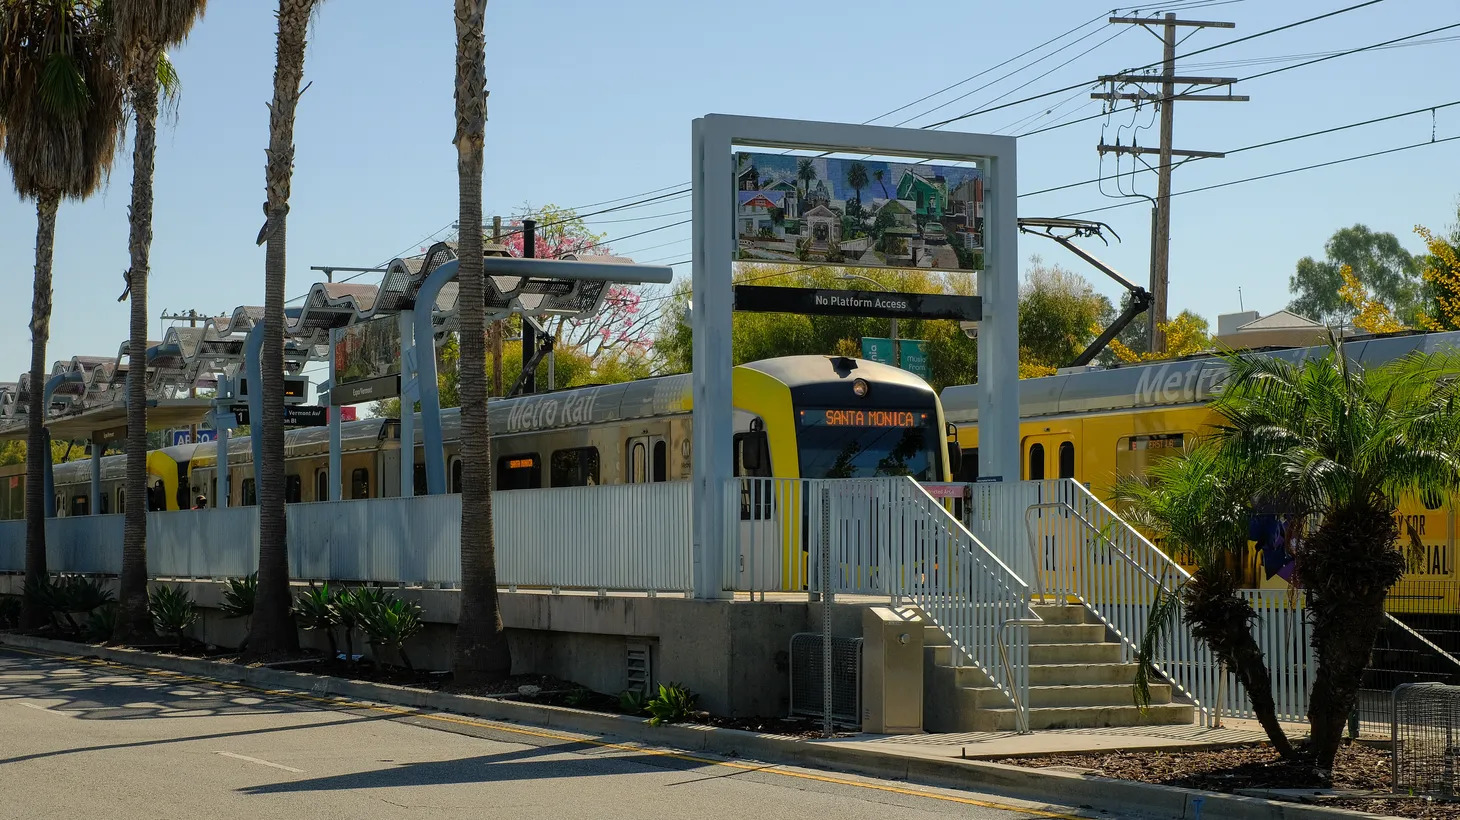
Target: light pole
{"x":896,"y":352}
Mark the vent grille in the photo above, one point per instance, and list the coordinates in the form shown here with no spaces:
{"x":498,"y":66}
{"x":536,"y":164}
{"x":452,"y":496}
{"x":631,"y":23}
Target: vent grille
{"x":639,"y":672}
{"x":846,"y":678}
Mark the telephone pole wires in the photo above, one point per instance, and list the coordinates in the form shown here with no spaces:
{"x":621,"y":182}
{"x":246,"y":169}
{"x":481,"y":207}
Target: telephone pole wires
{"x":1165,"y":99}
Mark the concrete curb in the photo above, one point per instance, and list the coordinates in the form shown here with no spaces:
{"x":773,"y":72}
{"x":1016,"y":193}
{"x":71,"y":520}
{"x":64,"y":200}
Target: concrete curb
{"x":1118,"y":797}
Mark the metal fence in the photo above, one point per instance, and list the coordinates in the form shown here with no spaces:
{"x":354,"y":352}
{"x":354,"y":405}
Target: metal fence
{"x":808,"y":678}
{"x":1401,"y":657}
{"x":885,"y":537}
{"x":1283,"y":631}
{"x":629,"y":537}
{"x":1426,"y":732}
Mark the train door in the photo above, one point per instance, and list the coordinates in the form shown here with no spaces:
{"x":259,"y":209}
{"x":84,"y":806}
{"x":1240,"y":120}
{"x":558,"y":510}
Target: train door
{"x":646,"y":460}
{"x":1050,"y":455}
{"x":389,"y":473}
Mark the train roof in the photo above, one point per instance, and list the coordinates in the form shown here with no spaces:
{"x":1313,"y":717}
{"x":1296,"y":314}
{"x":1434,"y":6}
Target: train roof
{"x":1187,"y":381}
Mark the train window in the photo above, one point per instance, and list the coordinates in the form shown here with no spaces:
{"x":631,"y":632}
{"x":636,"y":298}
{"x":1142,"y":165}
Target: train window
{"x":638,"y":463}
{"x":322,"y":485}
{"x":577,"y":467}
{"x":156,"y":497}
{"x":80,"y":505}
{"x":418,"y":480}
{"x":1134,"y":454}
{"x":1036,"y":462}
{"x":968,"y":468}
{"x":250,"y":498}
{"x":522,"y":471}
{"x":293,"y":489}
{"x":1067,"y":459}
{"x":456,"y":475}
{"x":360,"y":483}
{"x":661,"y":460}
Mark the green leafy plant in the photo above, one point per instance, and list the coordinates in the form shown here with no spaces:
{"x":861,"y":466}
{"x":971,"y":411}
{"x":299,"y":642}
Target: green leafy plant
{"x":672,"y":704}
{"x":102,"y":623}
{"x":10,"y":608}
{"x":173,"y":611}
{"x":350,"y":608}
{"x":633,"y":702}
{"x":47,"y":597}
{"x":390,"y":622}
{"x":316,"y":609}
{"x":238,"y":596}
{"x":578,"y":696}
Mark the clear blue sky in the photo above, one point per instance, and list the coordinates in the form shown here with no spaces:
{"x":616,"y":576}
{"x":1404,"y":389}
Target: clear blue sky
{"x":593,"y":101}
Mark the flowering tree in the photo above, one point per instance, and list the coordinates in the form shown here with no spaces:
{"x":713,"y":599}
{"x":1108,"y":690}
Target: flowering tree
{"x":1186,"y":335}
{"x":1370,"y":315}
{"x":1442,"y":276}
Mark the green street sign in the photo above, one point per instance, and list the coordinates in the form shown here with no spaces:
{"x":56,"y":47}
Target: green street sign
{"x":883,"y":351}
{"x":915,"y":358}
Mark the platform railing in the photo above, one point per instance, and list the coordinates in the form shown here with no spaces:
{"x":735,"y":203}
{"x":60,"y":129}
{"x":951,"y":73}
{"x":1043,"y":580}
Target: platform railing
{"x":632,"y":537}
{"x":885,"y":537}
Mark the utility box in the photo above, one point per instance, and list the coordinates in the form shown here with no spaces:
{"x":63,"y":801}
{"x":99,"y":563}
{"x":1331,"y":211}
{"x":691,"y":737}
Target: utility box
{"x":892,"y":670}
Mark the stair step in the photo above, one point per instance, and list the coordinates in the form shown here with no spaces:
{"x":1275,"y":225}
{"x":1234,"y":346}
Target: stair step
{"x":1069,"y":653}
{"x":934,"y":636}
{"x":1055,"y":674}
{"x":1087,"y":717}
{"x":1060,"y":613}
{"x":1109,"y":694}
{"x":1067,"y":633}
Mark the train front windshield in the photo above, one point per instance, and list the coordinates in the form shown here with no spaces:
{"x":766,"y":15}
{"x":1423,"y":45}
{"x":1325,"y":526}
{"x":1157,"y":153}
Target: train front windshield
{"x":866,"y":443}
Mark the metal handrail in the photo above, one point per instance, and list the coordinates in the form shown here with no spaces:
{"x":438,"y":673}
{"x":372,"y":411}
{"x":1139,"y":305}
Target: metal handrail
{"x":1020,"y":714}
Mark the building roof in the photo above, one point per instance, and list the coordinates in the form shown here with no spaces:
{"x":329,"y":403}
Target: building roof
{"x":1281,"y":320}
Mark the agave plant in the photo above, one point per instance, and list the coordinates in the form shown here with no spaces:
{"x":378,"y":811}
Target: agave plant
{"x":350,"y":607}
{"x":238,"y":596}
{"x":102,"y":623}
{"x":318,"y":609}
{"x":10,"y":609}
{"x":673,"y":704}
{"x":390,"y":622}
{"x":173,"y":611}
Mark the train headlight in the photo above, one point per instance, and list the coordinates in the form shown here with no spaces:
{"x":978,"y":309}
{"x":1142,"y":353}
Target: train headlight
{"x":860,"y":387}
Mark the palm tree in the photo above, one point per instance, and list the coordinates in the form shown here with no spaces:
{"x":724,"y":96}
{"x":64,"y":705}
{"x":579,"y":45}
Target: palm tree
{"x":481,"y":649}
{"x":1340,"y":444}
{"x":806,"y":172}
{"x":878,"y":175}
{"x":857,"y":178}
{"x":61,"y":103}
{"x":272,"y":628}
{"x":144,"y":31}
{"x":1196,"y":505}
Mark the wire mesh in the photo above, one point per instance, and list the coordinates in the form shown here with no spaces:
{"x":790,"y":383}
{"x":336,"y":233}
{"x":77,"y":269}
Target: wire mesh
{"x":1401,"y":656}
{"x":1426,"y":730}
{"x":846,"y":678}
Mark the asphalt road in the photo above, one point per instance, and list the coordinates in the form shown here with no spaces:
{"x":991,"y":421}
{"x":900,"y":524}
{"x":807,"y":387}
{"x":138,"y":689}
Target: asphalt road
{"x":83,"y":739}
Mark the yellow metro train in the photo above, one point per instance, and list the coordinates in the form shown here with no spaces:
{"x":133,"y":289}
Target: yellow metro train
{"x":1095,"y":425}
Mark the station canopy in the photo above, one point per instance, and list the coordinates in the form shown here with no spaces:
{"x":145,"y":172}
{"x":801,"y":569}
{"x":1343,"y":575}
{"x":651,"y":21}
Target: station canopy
{"x":90,"y":397}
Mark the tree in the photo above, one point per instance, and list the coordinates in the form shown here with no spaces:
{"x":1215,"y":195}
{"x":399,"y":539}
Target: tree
{"x":1198,"y":506}
{"x":1059,"y":315}
{"x":144,"y":30}
{"x":1379,"y":262}
{"x":481,"y":649}
{"x":1369,"y":314}
{"x":878,"y":175}
{"x":271,"y":629}
{"x":1442,"y":279}
{"x":806,"y":172}
{"x":1186,"y":335}
{"x":857,"y":178}
{"x":61,"y":107}
{"x":1339,"y":445}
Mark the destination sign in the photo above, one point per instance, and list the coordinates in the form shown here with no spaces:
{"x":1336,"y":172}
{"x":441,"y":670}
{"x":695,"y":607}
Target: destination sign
{"x":857,"y":417}
{"x":829,"y":302}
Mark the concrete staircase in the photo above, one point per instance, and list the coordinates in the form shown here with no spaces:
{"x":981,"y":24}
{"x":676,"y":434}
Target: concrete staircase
{"x":1076,"y":680}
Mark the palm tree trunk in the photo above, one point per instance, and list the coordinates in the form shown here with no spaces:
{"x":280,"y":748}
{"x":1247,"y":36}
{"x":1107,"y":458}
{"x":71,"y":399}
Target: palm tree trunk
{"x":1248,"y":665}
{"x":273,"y":628}
{"x":36,"y":445}
{"x":132,"y":616}
{"x":1346,"y":567}
{"x":481,"y":643}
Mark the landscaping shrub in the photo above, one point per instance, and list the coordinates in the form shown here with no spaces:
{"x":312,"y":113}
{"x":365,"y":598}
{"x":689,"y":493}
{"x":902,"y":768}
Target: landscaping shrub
{"x":318,"y":609}
{"x":173,"y":611}
{"x":390,"y":622}
{"x":673,"y":704}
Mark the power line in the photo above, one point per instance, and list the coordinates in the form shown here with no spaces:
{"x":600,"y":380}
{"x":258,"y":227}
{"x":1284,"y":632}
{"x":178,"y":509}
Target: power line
{"x":1273,"y":174}
{"x":1180,"y":57}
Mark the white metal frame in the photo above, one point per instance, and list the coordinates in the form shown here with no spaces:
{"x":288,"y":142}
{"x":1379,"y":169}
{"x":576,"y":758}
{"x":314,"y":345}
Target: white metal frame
{"x":714,"y":138}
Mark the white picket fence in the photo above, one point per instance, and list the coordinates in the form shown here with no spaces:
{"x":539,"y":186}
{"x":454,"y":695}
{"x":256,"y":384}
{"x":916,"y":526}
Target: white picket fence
{"x":632,"y":537}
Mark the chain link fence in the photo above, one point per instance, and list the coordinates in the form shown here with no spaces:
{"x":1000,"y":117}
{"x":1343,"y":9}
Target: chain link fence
{"x":1426,"y":728}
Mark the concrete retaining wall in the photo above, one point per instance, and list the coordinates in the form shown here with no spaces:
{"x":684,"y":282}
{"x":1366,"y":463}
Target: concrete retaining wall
{"x":734,"y":654}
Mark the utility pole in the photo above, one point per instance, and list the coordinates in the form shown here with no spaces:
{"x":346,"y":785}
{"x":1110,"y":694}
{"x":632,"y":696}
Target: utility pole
{"x":1166,"y":100}
{"x":496,"y":331}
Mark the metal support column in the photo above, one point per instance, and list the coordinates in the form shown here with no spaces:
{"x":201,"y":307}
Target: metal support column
{"x":96,"y":450}
{"x":426,"y":383}
{"x":407,"y":404}
{"x":251,"y":349}
{"x":998,"y":338}
{"x":335,"y":466}
{"x":49,"y":483}
{"x":223,"y":422}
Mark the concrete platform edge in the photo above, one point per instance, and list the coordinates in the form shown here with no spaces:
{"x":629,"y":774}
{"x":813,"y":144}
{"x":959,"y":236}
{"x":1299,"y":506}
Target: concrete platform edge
{"x":1119,"y":797}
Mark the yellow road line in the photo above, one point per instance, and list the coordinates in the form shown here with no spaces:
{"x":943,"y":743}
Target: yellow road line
{"x":537,"y":733}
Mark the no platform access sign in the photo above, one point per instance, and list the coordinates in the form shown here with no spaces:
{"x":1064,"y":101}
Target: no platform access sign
{"x":869,"y":303}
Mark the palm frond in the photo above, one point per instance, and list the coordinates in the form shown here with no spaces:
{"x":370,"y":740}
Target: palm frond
{"x":1165,"y":609}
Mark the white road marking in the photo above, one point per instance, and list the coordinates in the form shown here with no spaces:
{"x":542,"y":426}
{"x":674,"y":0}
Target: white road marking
{"x":260,"y":762}
{"x":47,"y":709}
